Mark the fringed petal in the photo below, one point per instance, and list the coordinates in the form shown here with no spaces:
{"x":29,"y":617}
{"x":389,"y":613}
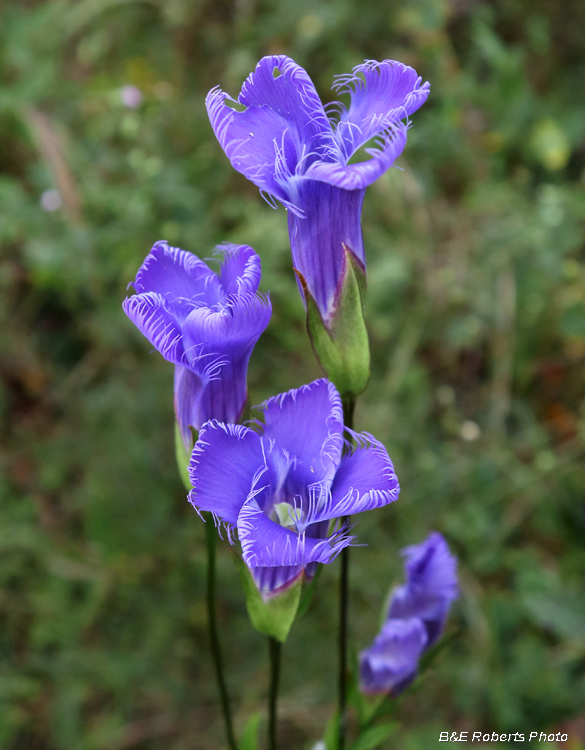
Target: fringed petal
{"x":424,"y":604}
{"x":285,"y":87}
{"x":218,"y":345}
{"x":150,"y":314}
{"x":388,"y":147}
{"x":235,"y":326}
{"x":391,"y":662}
{"x":224,"y":465}
{"x":306,"y":424}
{"x":255,"y":141}
{"x":431,"y":565}
{"x":431,"y":585}
{"x":282,"y":131}
{"x":267,"y":544}
{"x":173,"y":273}
{"x":240,"y":270}
{"x":380,"y":93}
{"x":365,"y":480}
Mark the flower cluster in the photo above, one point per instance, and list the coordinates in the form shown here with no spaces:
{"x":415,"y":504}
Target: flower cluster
{"x":293,"y":477}
{"x":416,"y":617}
{"x":287,"y":484}
{"x":205,"y":323}
{"x":289,"y":481}
{"x":284,"y":484}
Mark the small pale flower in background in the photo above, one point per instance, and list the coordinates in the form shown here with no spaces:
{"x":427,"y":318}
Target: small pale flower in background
{"x":416,"y":617}
{"x":131,"y":96}
{"x":470,"y":431}
{"x":51,"y":200}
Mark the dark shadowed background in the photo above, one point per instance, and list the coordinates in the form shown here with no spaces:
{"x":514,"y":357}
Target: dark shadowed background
{"x":476,"y":311}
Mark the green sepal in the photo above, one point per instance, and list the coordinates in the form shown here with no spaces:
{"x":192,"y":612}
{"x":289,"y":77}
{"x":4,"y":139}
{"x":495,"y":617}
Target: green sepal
{"x":275,"y":616}
{"x":341,"y":344}
{"x":308,"y":592}
{"x":183,"y":456}
{"x":429,"y":656}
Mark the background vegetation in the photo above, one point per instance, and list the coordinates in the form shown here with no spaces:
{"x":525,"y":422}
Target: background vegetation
{"x":476,"y":309}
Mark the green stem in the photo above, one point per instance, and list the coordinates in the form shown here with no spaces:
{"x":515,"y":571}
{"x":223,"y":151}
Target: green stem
{"x":210,"y":538}
{"x":384,"y":707}
{"x":343,"y":612}
{"x":274,"y":648}
{"x":348,"y":403}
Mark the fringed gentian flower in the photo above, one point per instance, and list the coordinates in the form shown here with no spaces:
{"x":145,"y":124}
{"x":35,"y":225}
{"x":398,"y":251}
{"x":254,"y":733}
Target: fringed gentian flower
{"x":281,"y":137}
{"x":205,"y":323}
{"x":285,"y":486}
{"x":431,"y":585}
{"x":416,"y":617}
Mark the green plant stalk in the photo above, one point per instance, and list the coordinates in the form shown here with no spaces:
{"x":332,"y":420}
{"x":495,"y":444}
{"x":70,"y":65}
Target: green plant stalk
{"x":343,"y":617}
{"x":348,"y":403}
{"x":210,"y":538}
{"x":274,"y":648}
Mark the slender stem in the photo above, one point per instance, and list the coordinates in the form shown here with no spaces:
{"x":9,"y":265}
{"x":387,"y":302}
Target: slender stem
{"x":348,"y":403}
{"x":343,"y":613}
{"x":384,"y":707}
{"x":210,"y":538}
{"x":274,"y":647}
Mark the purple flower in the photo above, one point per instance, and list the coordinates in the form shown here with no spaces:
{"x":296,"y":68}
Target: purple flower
{"x":297,"y":151}
{"x":416,"y":617}
{"x":205,"y":323}
{"x":390,"y":664}
{"x":285,"y":486}
{"x":431,"y":585}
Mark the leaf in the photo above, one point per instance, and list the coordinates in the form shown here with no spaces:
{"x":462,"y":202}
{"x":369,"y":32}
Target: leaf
{"x":372,"y":737}
{"x":308,"y":593}
{"x":275,"y":616}
{"x":429,"y":656}
{"x":249,"y":738}
{"x":370,"y":710}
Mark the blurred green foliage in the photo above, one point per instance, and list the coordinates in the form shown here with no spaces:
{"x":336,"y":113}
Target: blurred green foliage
{"x":476,"y":312}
